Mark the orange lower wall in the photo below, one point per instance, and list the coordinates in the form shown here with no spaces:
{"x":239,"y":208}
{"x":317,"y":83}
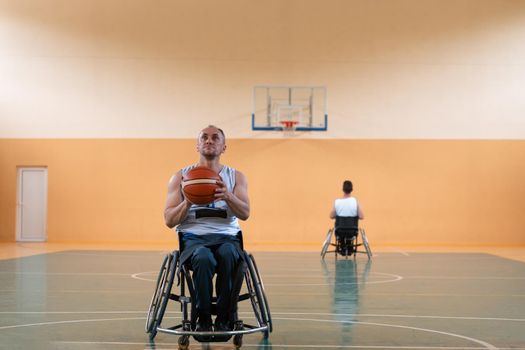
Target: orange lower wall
{"x":412,"y":192}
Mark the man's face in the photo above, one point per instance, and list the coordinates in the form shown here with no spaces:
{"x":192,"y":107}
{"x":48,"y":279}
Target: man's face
{"x":211,"y":143}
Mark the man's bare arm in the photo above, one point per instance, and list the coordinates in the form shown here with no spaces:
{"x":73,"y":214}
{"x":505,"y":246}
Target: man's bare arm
{"x":332,"y":213}
{"x":360,"y":212}
{"x":176,"y":205}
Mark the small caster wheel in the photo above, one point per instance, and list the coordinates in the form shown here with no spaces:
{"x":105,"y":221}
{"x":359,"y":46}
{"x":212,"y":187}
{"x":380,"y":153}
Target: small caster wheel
{"x":237,"y":341}
{"x":184,"y":342}
{"x":153,"y":333}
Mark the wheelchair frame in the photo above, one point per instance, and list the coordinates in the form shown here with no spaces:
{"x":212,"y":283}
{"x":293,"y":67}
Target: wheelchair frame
{"x":246,"y":270}
{"x":354,"y":243}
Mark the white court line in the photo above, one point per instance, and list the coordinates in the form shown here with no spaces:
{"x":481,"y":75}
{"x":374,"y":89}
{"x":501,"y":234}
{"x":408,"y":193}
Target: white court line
{"x":445,"y":295}
{"x":310,"y":276}
{"x":393,"y":278}
{"x":406,"y":277}
{"x":431,"y":295}
{"x":271,"y":345}
{"x":120,"y":255}
{"x":308,"y":271}
{"x":400,"y":252}
{"x":74,"y":312}
{"x":65,"y":273}
{"x":291,"y":293}
{"x":138,"y":274}
{"x":375,"y":255}
{"x":396,"y":277}
{"x":70,"y":321}
{"x":79,"y":291}
{"x":465,"y":277}
{"x":480,"y":342}
{"x":403,"y":316}
{"x":473,"y":318}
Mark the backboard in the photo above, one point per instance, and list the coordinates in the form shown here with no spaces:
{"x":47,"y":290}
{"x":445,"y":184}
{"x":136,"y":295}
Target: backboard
{"x":279,"y":107}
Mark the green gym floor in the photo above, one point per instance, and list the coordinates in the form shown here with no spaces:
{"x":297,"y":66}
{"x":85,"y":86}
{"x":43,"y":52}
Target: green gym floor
{"x":87,"y":299}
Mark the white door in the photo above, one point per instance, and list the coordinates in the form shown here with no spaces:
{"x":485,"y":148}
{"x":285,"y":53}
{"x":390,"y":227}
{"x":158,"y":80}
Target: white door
{"x":31,"y":214}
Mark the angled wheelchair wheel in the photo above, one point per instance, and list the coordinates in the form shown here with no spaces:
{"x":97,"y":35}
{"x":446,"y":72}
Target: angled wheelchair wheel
{"x":154,"y":304}
{"x":166,"y":290}
{"x":162,"y":293}
{"x":326,"y":243}
{"x":364,"y":238}
{"x":257,"y":295}
{"x":266,"y":305}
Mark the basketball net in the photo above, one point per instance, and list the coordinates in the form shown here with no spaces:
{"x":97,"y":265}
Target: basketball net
{"x":289,"y":127}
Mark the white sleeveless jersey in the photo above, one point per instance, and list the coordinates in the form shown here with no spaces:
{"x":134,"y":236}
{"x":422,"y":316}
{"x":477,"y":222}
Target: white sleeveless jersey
{"x":215,"y":217}
{"x":346,"y":206}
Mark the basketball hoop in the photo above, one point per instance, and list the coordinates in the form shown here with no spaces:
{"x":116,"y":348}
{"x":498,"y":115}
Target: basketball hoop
{"x":288,"y":126}
{"x":289,"y":108}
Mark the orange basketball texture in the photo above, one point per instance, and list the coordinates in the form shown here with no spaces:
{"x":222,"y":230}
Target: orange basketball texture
{"x":199,"y":184}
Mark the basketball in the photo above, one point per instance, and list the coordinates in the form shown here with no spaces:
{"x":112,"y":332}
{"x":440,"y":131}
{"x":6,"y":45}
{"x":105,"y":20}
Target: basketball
{"x":199,"y":184}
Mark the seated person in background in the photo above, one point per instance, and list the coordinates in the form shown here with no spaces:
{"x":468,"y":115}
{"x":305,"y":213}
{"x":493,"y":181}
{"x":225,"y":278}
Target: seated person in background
{"x":348,"y":206}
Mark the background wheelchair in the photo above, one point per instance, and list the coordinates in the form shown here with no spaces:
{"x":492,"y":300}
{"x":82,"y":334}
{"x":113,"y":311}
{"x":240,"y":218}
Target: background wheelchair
{"x":347,"y":235}
{"x":252,"y":290}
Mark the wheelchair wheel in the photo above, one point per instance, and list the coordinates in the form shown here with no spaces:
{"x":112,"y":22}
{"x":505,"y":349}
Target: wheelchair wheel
{"x":266,"y":305}
{"x":154,"y":304}
{"x":257,"y":295}
{"x":166,"y":291}
{"x":326,"y":242}
{"x":184,"y":342}
{"x":162,"y":294}
{"x":237,"y":341}
{"x":365,"y":243}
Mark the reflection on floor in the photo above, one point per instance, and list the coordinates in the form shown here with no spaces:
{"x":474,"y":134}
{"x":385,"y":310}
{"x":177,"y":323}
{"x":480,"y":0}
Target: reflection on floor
{"x":97,"y":299}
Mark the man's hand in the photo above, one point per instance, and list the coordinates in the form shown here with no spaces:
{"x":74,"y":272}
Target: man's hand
{"x":237,"y":200}
{"x":222,"y":193}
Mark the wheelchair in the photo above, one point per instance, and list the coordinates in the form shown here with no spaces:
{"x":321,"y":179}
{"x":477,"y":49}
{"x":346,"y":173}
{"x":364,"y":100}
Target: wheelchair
{"x":253,"y":291}
{"x":347,"y":235}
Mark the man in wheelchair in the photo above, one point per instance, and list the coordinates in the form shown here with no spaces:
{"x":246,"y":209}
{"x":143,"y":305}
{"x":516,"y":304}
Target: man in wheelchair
{"x":346,"y":212}
{"x":209,"y":233}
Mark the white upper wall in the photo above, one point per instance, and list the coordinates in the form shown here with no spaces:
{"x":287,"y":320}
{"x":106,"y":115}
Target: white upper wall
{"x":164,"y":69}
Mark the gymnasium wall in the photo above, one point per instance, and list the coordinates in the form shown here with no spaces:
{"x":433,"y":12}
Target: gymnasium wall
{"x":412,"y":191}
{"x":425,"y":104}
